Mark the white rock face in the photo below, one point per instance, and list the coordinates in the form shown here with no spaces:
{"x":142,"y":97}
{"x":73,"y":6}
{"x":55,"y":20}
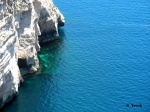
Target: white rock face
{"x":21,"y":23}
{"x":9,"y":72}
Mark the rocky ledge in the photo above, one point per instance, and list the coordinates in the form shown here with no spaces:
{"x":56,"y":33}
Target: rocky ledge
{"x":21,"y":24}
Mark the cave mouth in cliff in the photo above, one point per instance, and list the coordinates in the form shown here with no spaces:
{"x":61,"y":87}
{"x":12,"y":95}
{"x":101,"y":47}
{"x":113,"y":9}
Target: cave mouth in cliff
{"x":46,"y":37}
{"x":22,"y":63}
{"x":50,"y":37}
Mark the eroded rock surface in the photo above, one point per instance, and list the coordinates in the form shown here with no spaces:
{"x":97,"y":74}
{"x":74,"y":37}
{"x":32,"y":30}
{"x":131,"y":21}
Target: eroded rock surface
{"x":21,"y":24}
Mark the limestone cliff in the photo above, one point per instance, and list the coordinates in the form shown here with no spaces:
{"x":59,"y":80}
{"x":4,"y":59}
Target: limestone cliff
{"x":21,"y":24}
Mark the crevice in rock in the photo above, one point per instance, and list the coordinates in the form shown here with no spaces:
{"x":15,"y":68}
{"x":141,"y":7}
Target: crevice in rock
{"x":22,"y":63}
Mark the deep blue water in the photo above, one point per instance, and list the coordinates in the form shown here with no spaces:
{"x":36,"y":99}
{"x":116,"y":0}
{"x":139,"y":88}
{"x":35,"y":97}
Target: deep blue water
{"x":100,"y":64}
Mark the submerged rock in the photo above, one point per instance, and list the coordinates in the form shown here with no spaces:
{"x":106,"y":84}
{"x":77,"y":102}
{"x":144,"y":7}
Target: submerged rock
{"x":21,"y":23}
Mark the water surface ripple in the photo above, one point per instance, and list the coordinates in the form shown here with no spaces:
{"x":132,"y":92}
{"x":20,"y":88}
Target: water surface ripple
{"x":100,"y":64}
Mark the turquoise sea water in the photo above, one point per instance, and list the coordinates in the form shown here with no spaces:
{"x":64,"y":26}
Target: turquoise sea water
{"x":100,"y":64}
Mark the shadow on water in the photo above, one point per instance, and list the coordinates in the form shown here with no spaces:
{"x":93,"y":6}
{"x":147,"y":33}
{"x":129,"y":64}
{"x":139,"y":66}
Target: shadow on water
{"x":50,"y":54}
{"x":49,"y":58}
